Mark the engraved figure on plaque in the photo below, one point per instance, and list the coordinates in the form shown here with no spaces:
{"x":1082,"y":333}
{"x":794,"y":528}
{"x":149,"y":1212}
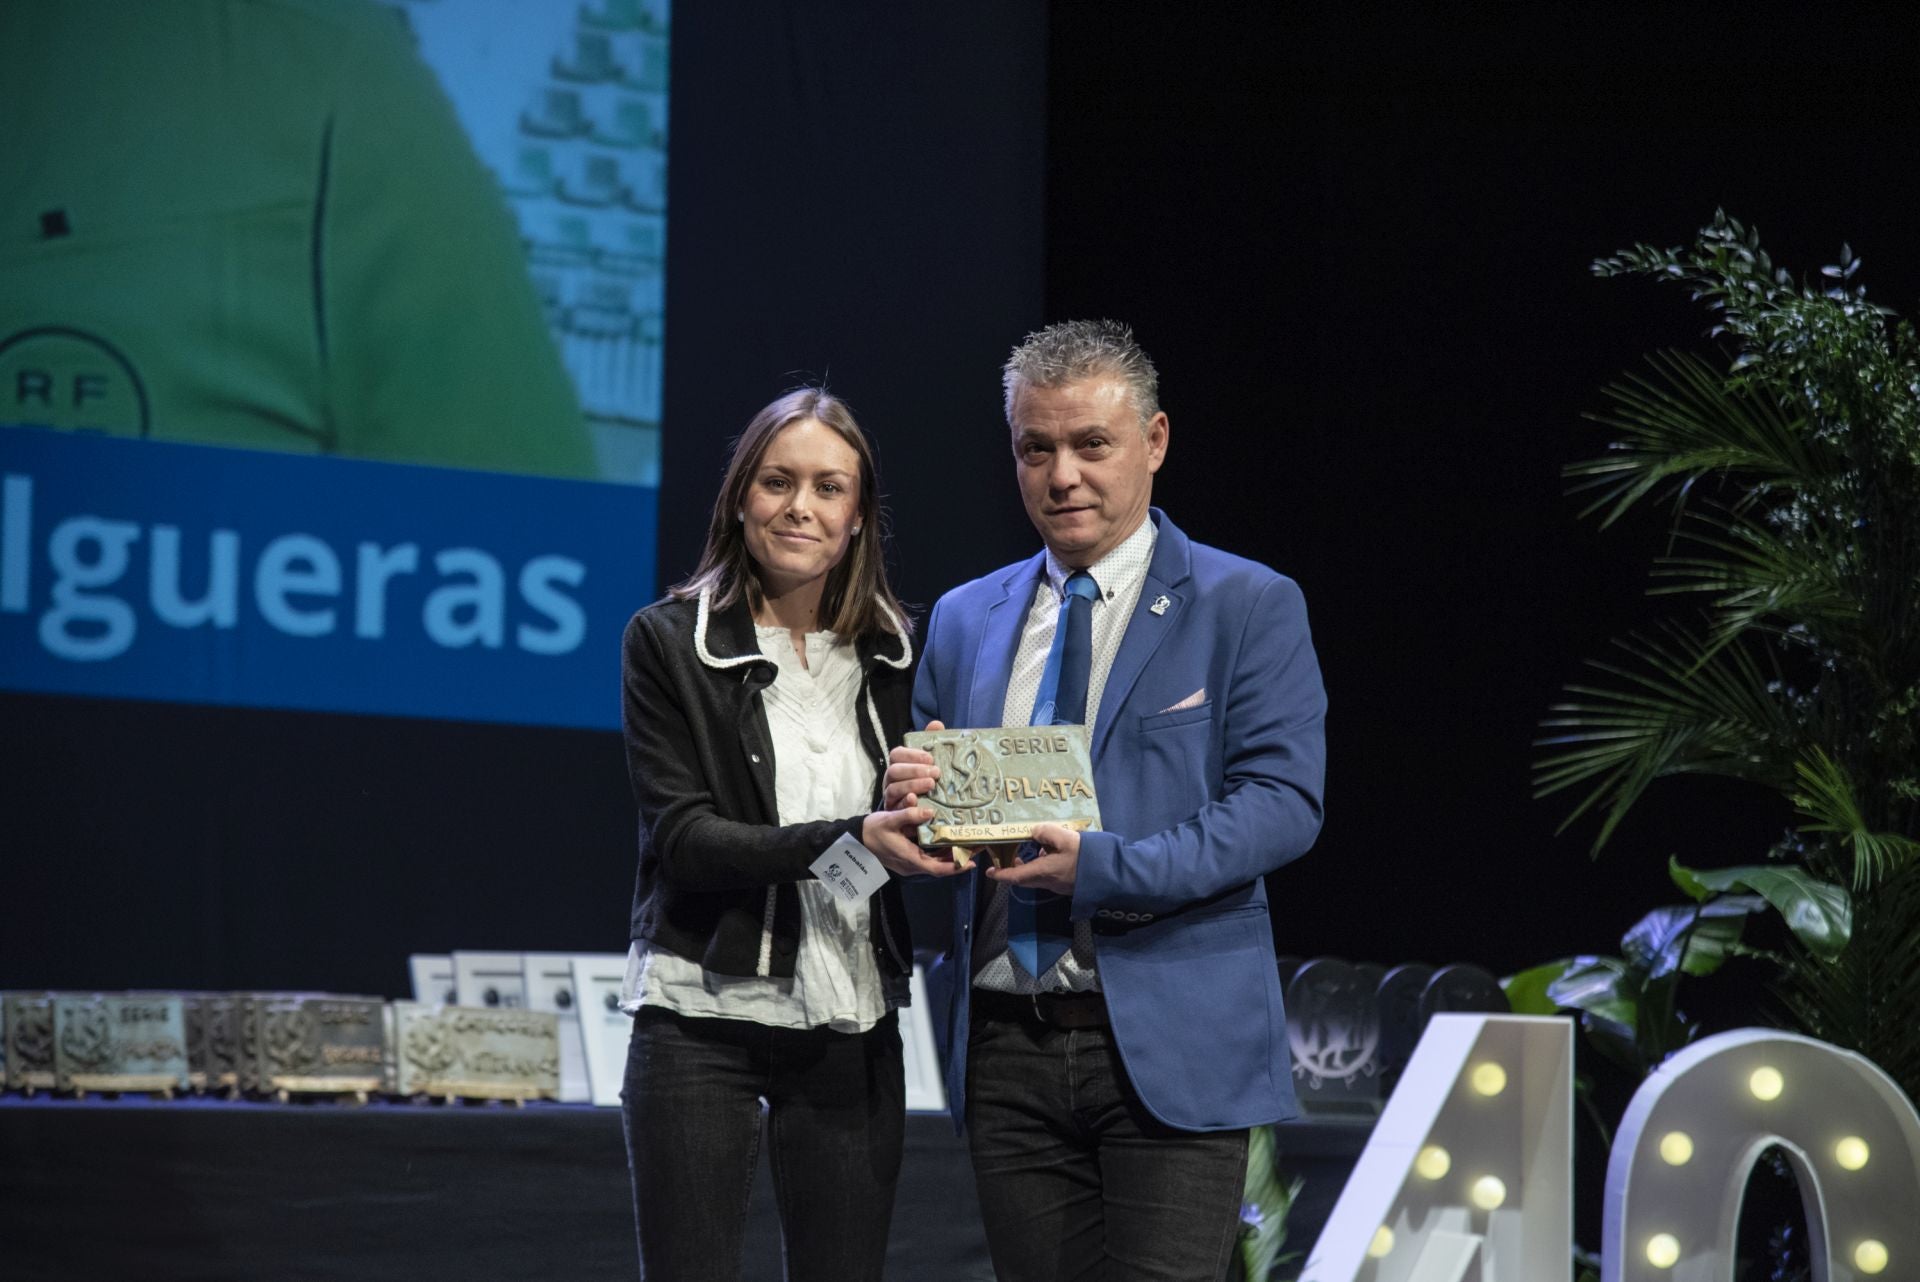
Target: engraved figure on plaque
{"x":29,"y":1042}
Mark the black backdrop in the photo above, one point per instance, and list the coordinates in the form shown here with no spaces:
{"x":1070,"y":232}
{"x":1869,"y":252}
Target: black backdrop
{"x":1355,"y":238}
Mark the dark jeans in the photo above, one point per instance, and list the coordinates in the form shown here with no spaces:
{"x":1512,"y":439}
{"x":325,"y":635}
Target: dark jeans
{"x":1076,"y":1179}
{"x":835,"y":1105}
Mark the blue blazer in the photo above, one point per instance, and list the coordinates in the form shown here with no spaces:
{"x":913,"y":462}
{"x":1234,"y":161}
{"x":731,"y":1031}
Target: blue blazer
{"x":1197,"y":803}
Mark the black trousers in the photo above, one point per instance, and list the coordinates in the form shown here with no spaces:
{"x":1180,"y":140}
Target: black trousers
{"x":835,"y":1114}
{"x":1077,"y":1180}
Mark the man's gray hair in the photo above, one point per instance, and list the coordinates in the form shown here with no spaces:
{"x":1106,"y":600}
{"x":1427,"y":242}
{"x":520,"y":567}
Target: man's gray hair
{"x":1073,"y":350}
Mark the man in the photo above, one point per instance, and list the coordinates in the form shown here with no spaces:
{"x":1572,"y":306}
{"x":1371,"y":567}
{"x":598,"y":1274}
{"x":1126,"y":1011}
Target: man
{"x":1108,"y":1074}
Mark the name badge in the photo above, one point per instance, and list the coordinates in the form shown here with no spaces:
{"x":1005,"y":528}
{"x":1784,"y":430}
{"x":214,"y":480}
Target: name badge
{"x":849,"y":870}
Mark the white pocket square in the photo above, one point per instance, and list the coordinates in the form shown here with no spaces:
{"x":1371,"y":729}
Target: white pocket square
{"x":1193,"y":700}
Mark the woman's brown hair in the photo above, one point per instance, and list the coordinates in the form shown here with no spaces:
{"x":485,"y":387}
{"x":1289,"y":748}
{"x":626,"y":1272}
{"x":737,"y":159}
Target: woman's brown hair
{"x":857,"y":602}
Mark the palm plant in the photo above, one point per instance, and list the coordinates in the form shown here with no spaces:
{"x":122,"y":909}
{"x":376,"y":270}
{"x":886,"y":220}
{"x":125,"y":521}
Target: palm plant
{"x":1789,"y":461}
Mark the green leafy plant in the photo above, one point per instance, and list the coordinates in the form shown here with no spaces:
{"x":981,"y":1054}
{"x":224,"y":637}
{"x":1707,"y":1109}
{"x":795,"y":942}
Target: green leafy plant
{"x":1629,"y":1005}
{"x":1264,"y":1205}
{"x":1787,"y":461}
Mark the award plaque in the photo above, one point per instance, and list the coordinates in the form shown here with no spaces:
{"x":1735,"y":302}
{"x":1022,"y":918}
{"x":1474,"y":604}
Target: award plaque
{"x":312,"y":1044}
{"x":29,"y":1033}
{"x":118,"y":1042}
{"x":249,"y":1057}
{"x":213,"y":1042}
{"x":246,"y":1015}
{"x":995,"y":785}
{"x":476,"y":1052}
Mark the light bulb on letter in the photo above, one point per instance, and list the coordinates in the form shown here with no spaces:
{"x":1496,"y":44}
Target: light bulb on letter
{"x":1851,"y":1153}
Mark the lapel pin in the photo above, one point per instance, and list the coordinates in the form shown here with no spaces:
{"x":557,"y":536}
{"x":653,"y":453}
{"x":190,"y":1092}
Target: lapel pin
{"x":1159,"y":606}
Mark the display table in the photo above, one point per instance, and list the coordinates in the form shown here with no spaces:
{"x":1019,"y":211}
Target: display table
{"x":135,"y":1188}
{"x":208,"y":1190}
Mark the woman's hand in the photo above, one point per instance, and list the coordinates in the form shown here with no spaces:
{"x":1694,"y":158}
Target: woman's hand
{"x":889,"y":834}
{"x":910,"y":774}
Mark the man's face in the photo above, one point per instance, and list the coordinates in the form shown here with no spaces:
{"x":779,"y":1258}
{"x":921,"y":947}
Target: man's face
{"x":1085,"y":466}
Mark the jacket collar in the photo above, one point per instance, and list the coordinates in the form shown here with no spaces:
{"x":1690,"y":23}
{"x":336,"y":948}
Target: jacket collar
{"x":1172,"y":562}
{"x":1162,"y":603}
{"x":1171,"y":566}
{"x":725,"y":638}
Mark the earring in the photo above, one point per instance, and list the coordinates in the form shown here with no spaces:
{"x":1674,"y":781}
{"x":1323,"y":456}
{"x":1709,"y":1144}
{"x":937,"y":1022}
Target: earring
{"x":741,"y":516}
{"x":857,"y":529}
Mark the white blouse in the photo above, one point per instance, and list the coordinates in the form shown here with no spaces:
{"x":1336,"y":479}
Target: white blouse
{"x":820,"y":771}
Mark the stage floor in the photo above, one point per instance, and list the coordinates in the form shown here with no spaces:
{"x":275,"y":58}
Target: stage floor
{"x":206,"y":1190}
{"x":255,"y":1192}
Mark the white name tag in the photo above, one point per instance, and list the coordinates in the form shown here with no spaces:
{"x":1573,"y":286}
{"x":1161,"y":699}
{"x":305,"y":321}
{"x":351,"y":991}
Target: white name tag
{"x":849,"y":870}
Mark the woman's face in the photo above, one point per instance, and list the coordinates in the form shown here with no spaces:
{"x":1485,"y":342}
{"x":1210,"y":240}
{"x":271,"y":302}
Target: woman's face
{"x":802,"y":505}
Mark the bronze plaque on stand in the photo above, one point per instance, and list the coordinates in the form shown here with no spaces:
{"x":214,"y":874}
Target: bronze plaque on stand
{"x":29,"y":1034}
{"x":473,"y":1052}
{"x":996,"y":785}
{"x":319,"y":1044}
{"x":213,"y":1041}
{"x":119,"y":1042}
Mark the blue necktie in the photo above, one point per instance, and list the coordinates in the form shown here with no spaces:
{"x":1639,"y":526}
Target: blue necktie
{"x":1039,"y":925}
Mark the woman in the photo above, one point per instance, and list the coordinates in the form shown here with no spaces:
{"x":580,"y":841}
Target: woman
{"x":760,"y":700}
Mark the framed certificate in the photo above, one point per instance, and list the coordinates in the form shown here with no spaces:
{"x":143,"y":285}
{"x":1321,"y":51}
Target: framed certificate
{"x":549,"y":981}
{"x":496,"y":981}
{"x":926,"y":1088}
{"x":432,"y":975}
{"x":605,"y":1029}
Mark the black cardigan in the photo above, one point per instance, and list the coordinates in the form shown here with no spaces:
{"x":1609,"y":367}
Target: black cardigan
{"x":700,"y":757}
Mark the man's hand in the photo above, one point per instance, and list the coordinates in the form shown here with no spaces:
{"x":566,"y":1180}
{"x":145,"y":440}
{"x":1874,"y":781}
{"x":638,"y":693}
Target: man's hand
{"x":889,"y":834}
{"x":910,"y":774}
{"x":1054,"y":868}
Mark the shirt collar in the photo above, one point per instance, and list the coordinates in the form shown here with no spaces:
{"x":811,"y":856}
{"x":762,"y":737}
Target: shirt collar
{"x":737,"y":644}
{"x":1124,"y":567}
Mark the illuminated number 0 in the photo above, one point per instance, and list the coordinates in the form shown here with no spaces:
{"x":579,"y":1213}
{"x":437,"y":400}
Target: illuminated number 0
{"x":1468,"y":1174}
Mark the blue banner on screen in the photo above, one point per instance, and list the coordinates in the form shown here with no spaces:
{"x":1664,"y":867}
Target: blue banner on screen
{"x":151,"y":570}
